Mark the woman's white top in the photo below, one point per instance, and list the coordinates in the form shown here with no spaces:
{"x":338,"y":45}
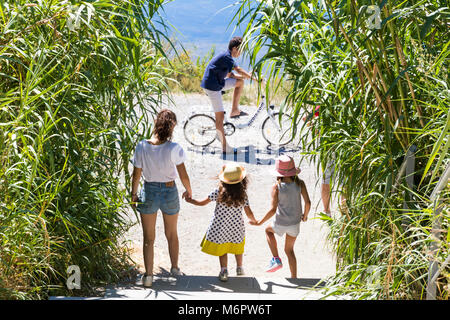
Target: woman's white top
{"x":158,"y":162}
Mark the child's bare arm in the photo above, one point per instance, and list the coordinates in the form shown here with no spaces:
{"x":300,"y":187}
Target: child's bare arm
{"x":203,"y":202}
{"x":274,"y":205}
{"x":305,"y":196}
{"x":250,"y":215}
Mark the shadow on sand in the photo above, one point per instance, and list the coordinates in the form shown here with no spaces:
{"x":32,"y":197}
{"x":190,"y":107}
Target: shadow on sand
{"x":247,"y":154}
{"x":177,"y":287}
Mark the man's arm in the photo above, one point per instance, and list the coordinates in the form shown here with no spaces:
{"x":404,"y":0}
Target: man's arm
{"x":242,"y":74}
{"x":236,"y":76}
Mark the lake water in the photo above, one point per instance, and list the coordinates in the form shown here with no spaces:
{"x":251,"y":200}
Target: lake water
{"x":203,"y":24}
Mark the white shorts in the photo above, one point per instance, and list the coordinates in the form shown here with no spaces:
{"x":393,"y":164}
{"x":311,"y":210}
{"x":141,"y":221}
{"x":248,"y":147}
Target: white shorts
{"x":216,"y":96}
{"x":293,"y":231}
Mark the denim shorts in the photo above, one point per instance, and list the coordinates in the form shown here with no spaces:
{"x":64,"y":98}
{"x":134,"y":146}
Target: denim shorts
{"x":156,"y":195}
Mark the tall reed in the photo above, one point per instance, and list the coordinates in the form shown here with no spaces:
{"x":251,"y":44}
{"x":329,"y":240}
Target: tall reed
{"x":79,"y":82}
{"x":382,"y":90}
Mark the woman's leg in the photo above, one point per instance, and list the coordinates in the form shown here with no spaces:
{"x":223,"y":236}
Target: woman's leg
{"x":148,"y":227}
{"x":170,"y":230}
{"x":272,"y":241}
{"x":289,"y":250}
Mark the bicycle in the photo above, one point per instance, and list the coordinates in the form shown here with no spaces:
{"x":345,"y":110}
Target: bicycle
{"x":200,"y":128}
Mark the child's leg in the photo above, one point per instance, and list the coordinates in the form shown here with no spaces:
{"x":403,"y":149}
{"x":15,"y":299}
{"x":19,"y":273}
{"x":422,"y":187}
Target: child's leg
{"x":223,"y":275}
{"x":223,"y":261}
{"x":239,"y":259}
{"x":272,"y":241}
{"x":289,"y":250}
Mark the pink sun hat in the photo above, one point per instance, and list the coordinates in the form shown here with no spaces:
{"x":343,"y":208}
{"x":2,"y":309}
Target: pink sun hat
{"x":285,"y":167}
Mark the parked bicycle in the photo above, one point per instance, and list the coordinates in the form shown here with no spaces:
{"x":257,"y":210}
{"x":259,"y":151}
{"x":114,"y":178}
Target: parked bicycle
{"x":200,"y":128}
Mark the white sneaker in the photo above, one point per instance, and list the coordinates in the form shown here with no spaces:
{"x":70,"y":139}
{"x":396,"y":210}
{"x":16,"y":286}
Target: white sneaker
{"x":147,"y":281}
{"x":240,"y":271}
{"x":275,"y":264}
{"x":175,"y":271}
{"x":223,"y":275}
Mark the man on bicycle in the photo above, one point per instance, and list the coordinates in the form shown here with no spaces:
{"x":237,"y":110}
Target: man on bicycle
{"x":219,"y":77}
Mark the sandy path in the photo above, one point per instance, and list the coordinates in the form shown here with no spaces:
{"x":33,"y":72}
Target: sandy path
{"x":314,"y":258}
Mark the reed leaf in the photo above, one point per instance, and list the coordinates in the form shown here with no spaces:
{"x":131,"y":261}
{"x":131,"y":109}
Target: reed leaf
{"x":380,"y":92}
{"x":79,"y":83}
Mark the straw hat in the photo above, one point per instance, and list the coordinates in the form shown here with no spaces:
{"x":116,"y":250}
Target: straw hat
{"x":285,"y":167}
{"x":232,"y":173}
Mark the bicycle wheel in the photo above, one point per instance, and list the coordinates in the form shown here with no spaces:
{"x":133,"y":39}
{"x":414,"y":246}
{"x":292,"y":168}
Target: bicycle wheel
{"x":200,"y":130}
{"x":278,"y":131}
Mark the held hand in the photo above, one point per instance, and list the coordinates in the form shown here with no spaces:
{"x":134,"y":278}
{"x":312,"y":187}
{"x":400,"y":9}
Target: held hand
{"x":254,"y":78}
{"x":134,"y":199}
{"x":186,"y":195}
{"x":254,"y":222}
{"x":189,"y":199}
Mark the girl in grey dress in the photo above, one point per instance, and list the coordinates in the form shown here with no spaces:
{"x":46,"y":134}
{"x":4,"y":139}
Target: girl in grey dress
{"x":287,"y":208}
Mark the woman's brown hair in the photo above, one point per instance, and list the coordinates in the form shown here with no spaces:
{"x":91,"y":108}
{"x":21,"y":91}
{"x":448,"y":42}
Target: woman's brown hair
{"x":164,"y":124}
{"x":233,"y":194}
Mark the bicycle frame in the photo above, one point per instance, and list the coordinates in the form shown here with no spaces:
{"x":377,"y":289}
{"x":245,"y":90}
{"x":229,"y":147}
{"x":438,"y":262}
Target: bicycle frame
{"x":253,"y":118}
{"x":230,"y":127}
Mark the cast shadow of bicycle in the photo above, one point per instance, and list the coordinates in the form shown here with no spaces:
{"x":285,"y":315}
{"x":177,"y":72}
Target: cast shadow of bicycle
{"x":248,"y":154}
{"x":183,"y":286}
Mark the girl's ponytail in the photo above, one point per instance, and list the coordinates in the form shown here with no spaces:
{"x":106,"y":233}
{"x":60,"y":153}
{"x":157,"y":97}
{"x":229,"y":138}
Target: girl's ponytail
{"x":164,"y":125}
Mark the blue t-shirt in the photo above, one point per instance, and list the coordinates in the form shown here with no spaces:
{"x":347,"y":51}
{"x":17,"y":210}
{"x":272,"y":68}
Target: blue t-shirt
{"x":216,"y":71}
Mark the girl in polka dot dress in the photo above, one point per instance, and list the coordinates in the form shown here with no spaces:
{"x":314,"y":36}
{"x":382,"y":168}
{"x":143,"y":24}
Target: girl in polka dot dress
{"x":226,"y":232}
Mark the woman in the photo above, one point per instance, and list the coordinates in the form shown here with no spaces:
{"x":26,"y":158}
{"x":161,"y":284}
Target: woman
{"x":159,"y":160}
